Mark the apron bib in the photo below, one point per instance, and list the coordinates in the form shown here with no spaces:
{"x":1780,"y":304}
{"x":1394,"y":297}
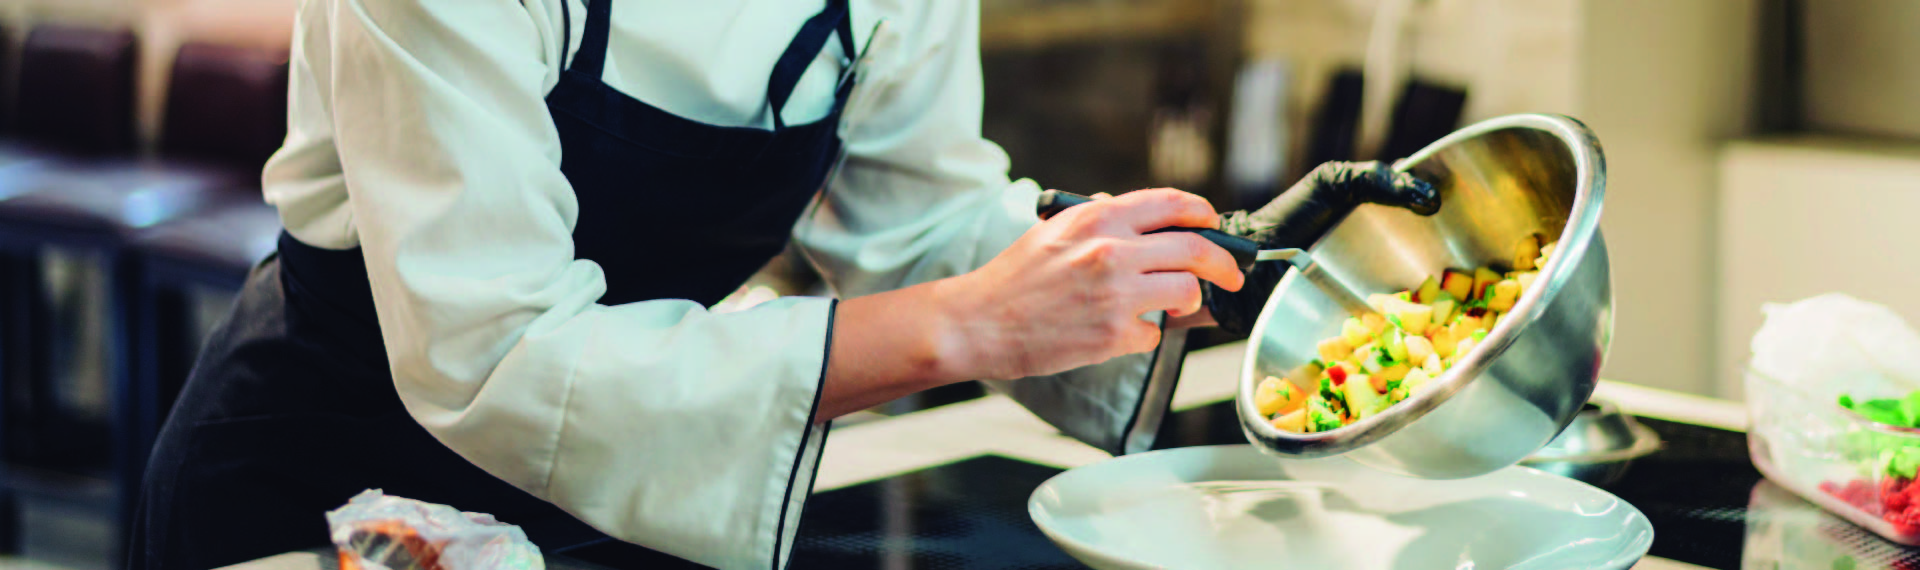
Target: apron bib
{"x":291,"y":409}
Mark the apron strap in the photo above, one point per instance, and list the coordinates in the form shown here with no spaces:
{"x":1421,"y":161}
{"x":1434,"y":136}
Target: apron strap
{"x":593,"y":41}
{"x":799,"y":55}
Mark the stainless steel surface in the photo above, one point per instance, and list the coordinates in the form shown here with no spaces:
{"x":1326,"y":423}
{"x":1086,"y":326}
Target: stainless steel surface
{"x":1499,"y":181}
{"x":1598,"y":447}
{"x":1328,"y":284}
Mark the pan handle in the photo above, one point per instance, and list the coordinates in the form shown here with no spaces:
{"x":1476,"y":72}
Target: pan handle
{"x":1242,"y":249}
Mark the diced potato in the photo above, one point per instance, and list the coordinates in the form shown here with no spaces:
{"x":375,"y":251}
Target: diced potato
{"x":1414,"y":318}
{"x":1427,"y":291}
{"x":1444,"y":342}
{"x":1418,"y":349}
{"x":1374,"y":323}
{"x":1505,"y":293}
{"x":1361,"y":396}
{"x":1443,"y":309}
{"x":1415,"y":380}
{"x":1493,"y":318}
{"x":1294,"y":421}
{"x":1397,"y":345}
{"x":1525,"y":255}
{"x":1465,"y":325}
{"x":1390,"y":374}
{"x":1381,"y":301}
{"x":1353,"y":331}
{"x":1457,"y":283}
{"x":1466,"y":347}
{"x":1482,"y":279}
{"x":1276,"y":396}
{"x":1335,"y":349}
{"x":1432,"y":365}
{"x":1526,"y":279}
{"x":1546,"y":251}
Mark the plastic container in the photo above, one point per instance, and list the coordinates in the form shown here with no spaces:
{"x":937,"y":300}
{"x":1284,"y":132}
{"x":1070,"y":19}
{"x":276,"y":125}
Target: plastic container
{"x":1832,"y":457}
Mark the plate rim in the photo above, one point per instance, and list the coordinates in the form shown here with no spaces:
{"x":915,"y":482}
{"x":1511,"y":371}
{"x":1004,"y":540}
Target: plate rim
{"x":1636,"y":549}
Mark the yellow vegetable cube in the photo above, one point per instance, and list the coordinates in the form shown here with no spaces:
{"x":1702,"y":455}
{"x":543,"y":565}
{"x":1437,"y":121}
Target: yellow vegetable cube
{"x":1482,"y":279}
{"x":1335,"y":349}
{"x":1276,"y":396}
{"x":1381,"y":302}
{"x":1415,"y":380}
{"x":1526,"y":280}
{"x":1374,"y":323}
{"x":1432,"y":365}
{"x":1529,"y":250}
{"x":1353,"y":331}
{"x":1444,"y":342}
{"x":1457,"y":283}
{"x":1294,"y":421}
{"x":1418,"y":349}
{"x":1390,"y":374}
{"x":1427,"y":292}
{"x":1443,"y":310}
{"x":1505,"y":294}
{"x":1414,"y":318}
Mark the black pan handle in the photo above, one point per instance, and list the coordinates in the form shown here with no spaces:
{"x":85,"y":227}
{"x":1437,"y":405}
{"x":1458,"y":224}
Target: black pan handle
{"x":1242,"y":249}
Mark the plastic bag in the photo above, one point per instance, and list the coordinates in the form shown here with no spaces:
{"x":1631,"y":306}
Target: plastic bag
{"x":374,"y":531}
{"x":1834,"y":344}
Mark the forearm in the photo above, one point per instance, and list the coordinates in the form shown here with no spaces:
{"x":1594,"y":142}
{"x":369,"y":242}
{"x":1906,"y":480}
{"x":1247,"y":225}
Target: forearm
{"x":888,"y":345}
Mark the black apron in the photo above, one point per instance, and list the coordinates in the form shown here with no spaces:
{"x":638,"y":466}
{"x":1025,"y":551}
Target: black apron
{"x":291,"y":410}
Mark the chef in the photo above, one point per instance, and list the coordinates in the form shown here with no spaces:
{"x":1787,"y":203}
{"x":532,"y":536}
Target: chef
{"x":505,"y":223}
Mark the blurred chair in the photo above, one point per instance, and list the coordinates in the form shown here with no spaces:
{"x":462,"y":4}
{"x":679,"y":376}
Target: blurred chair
{"x":228,"y":106}
{"x":81,"y":193}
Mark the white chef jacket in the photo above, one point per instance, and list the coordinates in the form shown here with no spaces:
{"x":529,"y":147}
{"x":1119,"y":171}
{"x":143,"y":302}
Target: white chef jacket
{"x":418,"y":132}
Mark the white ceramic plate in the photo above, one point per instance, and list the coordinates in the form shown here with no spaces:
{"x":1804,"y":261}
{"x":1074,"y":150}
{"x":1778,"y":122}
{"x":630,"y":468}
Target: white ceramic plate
{"x":1227,"y":507}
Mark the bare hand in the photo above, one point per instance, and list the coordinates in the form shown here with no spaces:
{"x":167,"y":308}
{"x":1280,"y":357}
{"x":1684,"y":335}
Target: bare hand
{"x":1072,"y":290}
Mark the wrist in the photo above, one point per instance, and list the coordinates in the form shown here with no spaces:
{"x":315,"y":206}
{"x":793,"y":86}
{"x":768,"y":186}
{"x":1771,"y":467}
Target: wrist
{"x":959,"y":337}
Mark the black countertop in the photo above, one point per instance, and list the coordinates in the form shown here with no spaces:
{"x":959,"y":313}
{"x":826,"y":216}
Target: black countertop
{"x":1700,"y":492}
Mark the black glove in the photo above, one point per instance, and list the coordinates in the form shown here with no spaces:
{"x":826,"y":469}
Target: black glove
{"x":1300,"y":216}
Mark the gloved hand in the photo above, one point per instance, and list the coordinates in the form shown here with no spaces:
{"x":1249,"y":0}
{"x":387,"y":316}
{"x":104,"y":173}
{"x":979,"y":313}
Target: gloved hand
{"x":1300,"y":216}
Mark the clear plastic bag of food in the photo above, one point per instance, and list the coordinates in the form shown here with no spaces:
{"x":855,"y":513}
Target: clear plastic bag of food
{"x":1834,"y":394}
{"x":374,"y":531}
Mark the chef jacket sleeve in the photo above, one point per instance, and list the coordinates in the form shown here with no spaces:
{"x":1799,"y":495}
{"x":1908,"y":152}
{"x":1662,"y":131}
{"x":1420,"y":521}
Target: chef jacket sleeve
{"x":656,"y":422}
{"x":922,"y":195}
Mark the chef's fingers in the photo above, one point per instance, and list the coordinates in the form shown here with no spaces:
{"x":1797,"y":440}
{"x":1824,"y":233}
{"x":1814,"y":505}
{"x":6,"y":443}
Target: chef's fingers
{"x":1177,"y":293}
{"x":1186,"y":252}
{"x":1146,"y":210}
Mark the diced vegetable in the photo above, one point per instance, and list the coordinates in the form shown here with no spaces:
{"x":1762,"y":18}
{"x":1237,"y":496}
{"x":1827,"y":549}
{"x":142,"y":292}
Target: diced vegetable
{"x":1415,"y":380}
{"x":1526,"y":254}
{"x":1456,"y":283}
{"x":1294,"y":421}
{"x":1276,"y":396}
{"x":1361,"y":397}
{"x":1410,"y":317}
{"x":1428,"y":291}
{"x":1382,"y":358}
{"x":1418,"y":349}
{"x":1355,"y":332}
{"x":1482,"y":279}
{"x":1335,"y":349}
{"x":1320,"y":415}
{"x":1505,"y":293}
{"x":1375,"y":323}
{"x":1443,"y":309}
{"x":1526,"y":279}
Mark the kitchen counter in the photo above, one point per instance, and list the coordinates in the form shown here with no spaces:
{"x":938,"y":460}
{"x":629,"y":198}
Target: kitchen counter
{"x":946,"y":488}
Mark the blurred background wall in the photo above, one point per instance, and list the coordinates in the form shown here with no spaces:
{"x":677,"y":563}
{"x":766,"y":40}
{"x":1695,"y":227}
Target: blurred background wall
{"x":162,"y":25}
